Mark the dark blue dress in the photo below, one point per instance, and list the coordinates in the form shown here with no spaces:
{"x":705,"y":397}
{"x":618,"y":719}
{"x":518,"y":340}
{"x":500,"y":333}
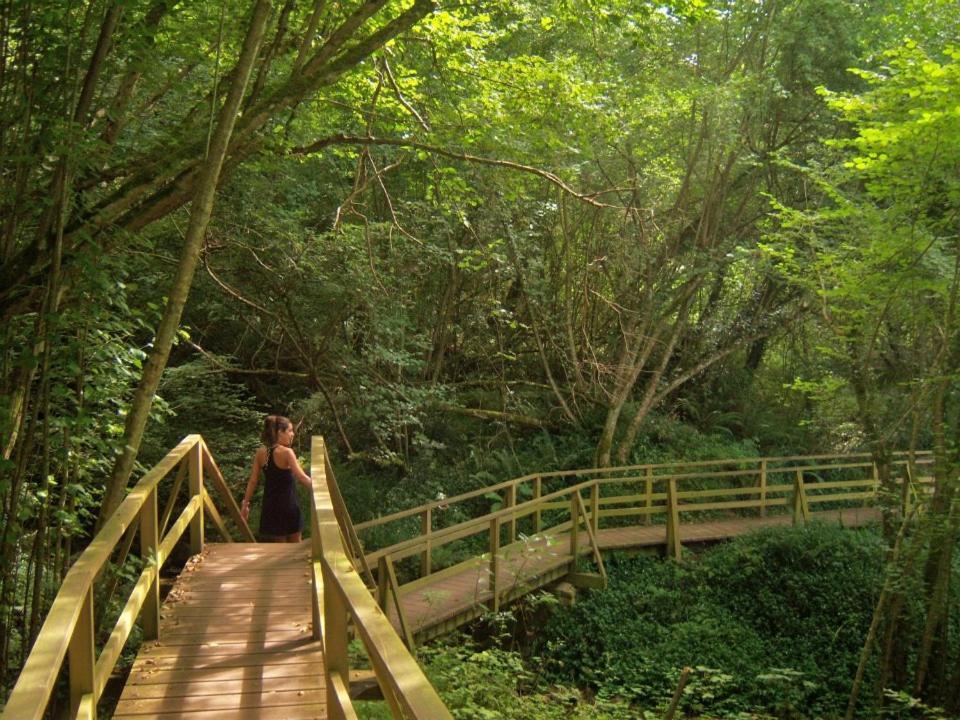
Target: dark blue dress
{"x":280,"y":514}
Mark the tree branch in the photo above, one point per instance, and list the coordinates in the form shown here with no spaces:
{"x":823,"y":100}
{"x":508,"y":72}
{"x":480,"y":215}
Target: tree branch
{"x":341,"y":139}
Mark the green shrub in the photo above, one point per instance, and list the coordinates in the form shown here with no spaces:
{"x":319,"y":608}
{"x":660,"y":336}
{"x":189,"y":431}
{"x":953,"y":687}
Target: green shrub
{"x":772,"y":623}
{"x":496,"y":684}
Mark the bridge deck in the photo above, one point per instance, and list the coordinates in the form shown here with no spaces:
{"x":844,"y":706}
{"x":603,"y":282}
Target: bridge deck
{"x":456,"y":595}
{"x":236,"y":641}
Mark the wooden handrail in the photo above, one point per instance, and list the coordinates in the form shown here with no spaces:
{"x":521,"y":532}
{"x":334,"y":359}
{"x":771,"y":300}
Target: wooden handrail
{"x":762,"y":464}
{"x":767,"y":491}
{"x":340,"y":596}
{"x":69,"y":632}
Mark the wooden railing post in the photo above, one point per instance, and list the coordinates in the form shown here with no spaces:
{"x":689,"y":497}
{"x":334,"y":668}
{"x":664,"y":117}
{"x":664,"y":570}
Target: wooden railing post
{"x":574,"y":529}
{"x":763,"y":487}
{"x":172,"y":497}
{"x":316,"y":556}
{"x":383,"y":581}
{"x":876,"y":483}
{"x":592,"y":537}
{"x":494,"y":561}
{"x":595,"y":506}
{"x":673,"y":521}
{"x":648,"y":493}
{"x":386,"y":569}
{"x":426,"y":528}
{"x":336,"y":660}
{"x":537,"y":492}
{"x":149,"y":543}
{"x":511,"y":501}
{"x":196,"y":490}
{"x":81,"y":656}
{"x":801,"y":510}
{"x":906,"y":488}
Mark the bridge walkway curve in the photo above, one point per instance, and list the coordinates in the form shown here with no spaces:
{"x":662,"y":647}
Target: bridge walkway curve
{"x":442,"y":601}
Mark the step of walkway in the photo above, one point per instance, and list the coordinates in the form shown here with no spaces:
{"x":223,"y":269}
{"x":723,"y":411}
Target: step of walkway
{"x":235,"y":641}
{"x":456,"y":595}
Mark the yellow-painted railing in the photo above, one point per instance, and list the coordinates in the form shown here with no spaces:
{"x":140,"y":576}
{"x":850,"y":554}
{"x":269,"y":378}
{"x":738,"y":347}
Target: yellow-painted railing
{"x":341,"y":598}
{"x":70,"y":628}
{"x":668,"y":493}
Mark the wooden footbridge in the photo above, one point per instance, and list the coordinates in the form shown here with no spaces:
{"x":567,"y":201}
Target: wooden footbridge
{"x":253,"y":631}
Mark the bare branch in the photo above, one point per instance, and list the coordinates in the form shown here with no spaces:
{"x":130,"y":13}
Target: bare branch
{"x":341,"y":139}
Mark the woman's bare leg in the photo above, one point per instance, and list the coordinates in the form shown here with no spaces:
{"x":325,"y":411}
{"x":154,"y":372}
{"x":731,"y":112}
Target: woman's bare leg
{"x":294,"y":537}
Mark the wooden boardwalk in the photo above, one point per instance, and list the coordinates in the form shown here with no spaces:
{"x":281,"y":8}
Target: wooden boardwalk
{"x":236,"y":629}
{"x":236,"y":641}
{"x":451,"y":597}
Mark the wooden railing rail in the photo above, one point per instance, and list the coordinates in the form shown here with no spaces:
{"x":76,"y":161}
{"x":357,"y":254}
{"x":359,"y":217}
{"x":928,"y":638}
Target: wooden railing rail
{"x":340,"y":597}
{"x":437,"y":538}
{"x":762,"y":485}
{"x":758,"y":466}
{"x":69,"y":630}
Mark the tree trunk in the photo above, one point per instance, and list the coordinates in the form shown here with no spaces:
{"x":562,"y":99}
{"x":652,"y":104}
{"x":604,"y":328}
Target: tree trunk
{"x":200,"y":213}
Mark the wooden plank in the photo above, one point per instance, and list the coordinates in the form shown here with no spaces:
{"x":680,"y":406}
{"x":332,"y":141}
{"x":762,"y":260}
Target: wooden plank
{"x":238,"y":614}
{"x":199,"y":688}
{"x":587,"y":580}
{"x":220,"y":674}
{"x":247,"y":594}
{"x":277,"y":699}
{"x":211,"y":647}
{"x":226,"y":635}
{"x":838,"y":497}
{"x":247,"y":652}
{"x":290,"y":712}
{"x":723,"y":505}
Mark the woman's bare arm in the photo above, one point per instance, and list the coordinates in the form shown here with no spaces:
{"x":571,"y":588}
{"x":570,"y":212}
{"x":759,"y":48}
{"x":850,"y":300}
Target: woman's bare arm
{"x":252,"y":483}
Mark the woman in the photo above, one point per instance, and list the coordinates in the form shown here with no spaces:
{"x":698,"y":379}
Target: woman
{"x":280,"y":513}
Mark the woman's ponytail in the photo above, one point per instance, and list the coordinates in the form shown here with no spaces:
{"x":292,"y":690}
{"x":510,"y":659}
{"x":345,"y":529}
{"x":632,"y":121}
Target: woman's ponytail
{"x":272,"y":426}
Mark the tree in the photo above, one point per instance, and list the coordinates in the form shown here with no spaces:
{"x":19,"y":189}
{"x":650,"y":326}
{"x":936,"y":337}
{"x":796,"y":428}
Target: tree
{"x":880,"y":254}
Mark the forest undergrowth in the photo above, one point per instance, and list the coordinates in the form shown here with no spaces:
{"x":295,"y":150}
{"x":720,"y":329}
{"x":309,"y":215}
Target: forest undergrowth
{"x":771,"y":625}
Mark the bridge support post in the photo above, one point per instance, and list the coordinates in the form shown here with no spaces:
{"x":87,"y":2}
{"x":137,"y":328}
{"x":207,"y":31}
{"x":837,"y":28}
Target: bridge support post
{"x":196,"y":490}
{"x":673,"y":521}
{"x":595,"y":507}
{"x":316,"y":576}
{"x":574,"y":529}
{"x":906,"y":488}
{"x":494,"y":562}
{"x":149,"y":544}
{"x":426,"y":528}
{"x":382,"y":583}
{"x":801,"y":509}
{"x":763,"y":487}
{"x":648,"y":494}
{"x":537,"y":492}
{"x":82,"y":659}
{"x":336,"y":660}
{"x":511,"y":501}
